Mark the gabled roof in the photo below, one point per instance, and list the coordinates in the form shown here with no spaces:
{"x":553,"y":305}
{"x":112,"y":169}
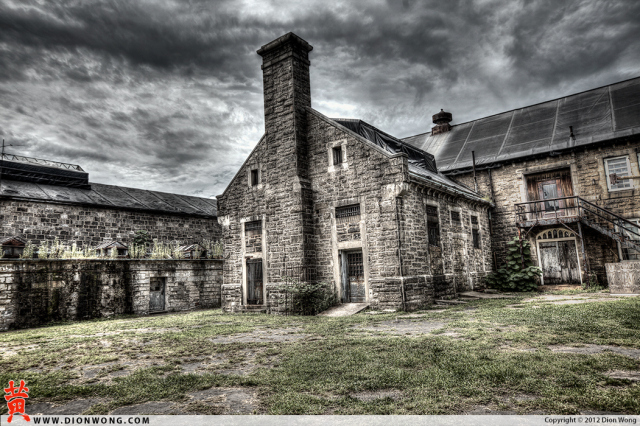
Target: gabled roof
{"x":596,"y":115}
{"x":110,"y":196}
{"x":417,"y":156}
{"x":423,"y":170}
{"x":13,"y":241}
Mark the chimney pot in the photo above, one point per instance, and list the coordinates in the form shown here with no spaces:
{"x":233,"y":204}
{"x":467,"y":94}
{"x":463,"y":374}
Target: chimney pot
{"x":441,"y":121}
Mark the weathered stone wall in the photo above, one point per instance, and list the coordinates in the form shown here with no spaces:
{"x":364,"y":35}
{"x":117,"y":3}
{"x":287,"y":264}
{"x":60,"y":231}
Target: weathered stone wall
{"x":35,"y":292}
{"x":460,"y":265}
{"x":88,"y":226}
{"x":624,"y":277}
{"x":299,"y":189}
{"x":589,"y":181}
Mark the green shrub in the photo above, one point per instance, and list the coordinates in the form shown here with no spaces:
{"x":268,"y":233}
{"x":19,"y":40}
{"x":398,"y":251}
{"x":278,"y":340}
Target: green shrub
{"x":309,"y":298}
{"x":512,"y":276}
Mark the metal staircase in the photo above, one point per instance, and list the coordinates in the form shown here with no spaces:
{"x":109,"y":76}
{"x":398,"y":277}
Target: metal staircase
{"x":575,"y":209}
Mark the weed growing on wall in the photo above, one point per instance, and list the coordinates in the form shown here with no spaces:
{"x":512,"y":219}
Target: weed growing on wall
{"x":159,"y":250}
{"x":176,"y":252}
{"x":512,"y":276}
{"x":137,"y":251}
{"x":214,"y":248}
{"x":29,"y":251}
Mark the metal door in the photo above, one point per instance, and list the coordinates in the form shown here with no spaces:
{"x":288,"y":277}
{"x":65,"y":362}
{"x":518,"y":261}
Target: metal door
{"x":254,"y":282}
{"x":156,"y":294}
{"x":353,"y":289}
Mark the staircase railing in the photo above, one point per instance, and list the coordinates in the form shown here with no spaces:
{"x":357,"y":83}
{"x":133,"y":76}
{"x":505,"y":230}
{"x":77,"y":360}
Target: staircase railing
{"x":574,"y":209}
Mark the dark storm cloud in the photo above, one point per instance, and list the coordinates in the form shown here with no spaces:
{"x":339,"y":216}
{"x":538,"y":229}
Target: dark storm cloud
{"x":141,"y":32}
{"x":168,"y":94}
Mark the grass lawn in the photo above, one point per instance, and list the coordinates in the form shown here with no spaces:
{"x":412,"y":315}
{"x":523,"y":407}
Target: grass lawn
{"x":495,"y":356}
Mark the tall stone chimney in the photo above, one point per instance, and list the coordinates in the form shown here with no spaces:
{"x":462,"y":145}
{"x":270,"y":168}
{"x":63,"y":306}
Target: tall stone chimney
{"x":288,"y":195}
{"x":287,"y":92}
{"x":441,"y":121}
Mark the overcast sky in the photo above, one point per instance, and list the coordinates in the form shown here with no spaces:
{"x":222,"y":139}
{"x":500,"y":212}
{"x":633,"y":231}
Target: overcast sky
{"x":167,"y":95}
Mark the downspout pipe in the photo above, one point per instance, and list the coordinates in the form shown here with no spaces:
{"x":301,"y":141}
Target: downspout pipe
{"x":402,"y":289}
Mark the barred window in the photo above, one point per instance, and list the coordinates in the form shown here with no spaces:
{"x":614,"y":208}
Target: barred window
{"x":347,"y":212}
{"x":474,"y":220}
{"x":476,"y":238}
{"x":337,"y":155}
{"x":455,"y":218}
{"x":256,"y":225}
{"x":432,"y":213}
{"x":433,"y":226}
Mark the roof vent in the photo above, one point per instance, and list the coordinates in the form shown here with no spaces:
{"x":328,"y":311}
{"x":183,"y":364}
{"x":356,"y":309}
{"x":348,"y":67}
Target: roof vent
{"x":441,"y":121}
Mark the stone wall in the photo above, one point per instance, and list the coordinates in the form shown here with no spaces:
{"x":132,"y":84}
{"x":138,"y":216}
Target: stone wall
{"x":36,"y":292}
{"x":624,"y":277}
{"x":89,"y":226}
{"x":300,"y":190}
{"x":507,"y":186}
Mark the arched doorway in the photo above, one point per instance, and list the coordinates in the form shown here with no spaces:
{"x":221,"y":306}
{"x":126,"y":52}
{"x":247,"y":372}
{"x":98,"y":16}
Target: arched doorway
{"x":558,"y":256}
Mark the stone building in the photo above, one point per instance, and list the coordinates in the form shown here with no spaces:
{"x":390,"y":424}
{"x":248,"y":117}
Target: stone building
{"x":341,"y":202}
{"x":547,"y":168}
{"x":43,"y":200}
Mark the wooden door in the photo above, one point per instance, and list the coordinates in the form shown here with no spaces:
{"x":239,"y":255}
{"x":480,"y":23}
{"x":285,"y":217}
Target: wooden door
{"x":156,"y":294}
{"x":569,"y":268}
{"x":550,"y":261}
{"x":559,"y":262}
{"x":548,"y":190}
{"x":254,"y":282}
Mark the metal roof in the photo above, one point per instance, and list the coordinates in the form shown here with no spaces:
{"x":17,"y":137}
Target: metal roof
{"x":110,"y":196}
{"x":41,"y":162}
{"x":389,"y":143}
{"x":596,"y":115}
{"x":421,"y":163}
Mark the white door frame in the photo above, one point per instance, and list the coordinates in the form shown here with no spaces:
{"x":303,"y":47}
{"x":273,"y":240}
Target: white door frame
{"x":551,"y":240}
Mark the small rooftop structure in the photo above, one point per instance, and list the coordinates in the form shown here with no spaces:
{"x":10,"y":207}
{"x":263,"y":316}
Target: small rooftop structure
{"x":12,"y":247}
{"x":193,"y":251}
{"x":105,"y":248}
{"x":27,"y":169}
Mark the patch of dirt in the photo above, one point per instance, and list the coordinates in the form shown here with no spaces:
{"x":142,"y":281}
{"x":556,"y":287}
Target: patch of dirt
{"x":633,"y":376}
{"x":77,"y":406}
{"x":422,"y":314}
{"x":209,"y":401}
{"x":263,"y":336}
{"x":596,"y":349}
{"x":369,"y":396}
{"x":570,"y":299}
{"x":150,"y":408}
{"x":482,"y":410}
{"x":507,"y":348}
{"x":129,"y":330}
{"x":404,"y":327}
{"x":232,"y":400}
{"x":14,"y":350}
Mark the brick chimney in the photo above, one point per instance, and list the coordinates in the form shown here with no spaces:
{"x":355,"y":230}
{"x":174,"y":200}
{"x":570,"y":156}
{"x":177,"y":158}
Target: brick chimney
{"x":441,"y":120}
